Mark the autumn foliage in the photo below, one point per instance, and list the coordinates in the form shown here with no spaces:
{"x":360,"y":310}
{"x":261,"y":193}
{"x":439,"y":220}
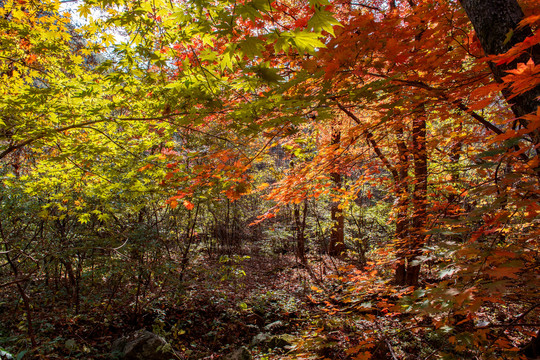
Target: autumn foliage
{"x":140,"y":140}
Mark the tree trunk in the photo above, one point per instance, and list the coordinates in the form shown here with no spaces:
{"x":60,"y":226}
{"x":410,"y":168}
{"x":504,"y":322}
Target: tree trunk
{"x":495,"y":23}
{"x":402,"y":205}
{"x":455,"y":156}
{"x":300,"y":225}
{"x":336,"y":247}
{"x":419,"y":200}
{"x":25,"y":298}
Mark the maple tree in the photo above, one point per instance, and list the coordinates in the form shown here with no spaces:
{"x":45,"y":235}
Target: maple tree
{"x":159,"y":128}
{"x":394,"y":77}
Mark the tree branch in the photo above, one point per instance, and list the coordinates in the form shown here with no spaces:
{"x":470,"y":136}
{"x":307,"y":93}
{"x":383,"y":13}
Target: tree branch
{"x":371,"y":141}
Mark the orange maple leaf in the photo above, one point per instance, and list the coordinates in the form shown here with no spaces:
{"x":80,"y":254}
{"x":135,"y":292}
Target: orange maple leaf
{"x":188,"y":205}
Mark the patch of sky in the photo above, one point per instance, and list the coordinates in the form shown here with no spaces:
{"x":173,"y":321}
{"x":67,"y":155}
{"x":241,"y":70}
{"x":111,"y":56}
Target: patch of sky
{"x":83,"y":15}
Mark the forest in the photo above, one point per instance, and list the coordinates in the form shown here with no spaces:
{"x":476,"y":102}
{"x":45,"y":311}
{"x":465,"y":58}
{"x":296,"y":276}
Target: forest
{"x":258,"y":179}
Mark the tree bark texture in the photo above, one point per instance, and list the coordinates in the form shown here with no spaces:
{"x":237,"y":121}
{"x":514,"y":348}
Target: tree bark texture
{"x":495,"y":23}
{"x":419,"y":145}
{"x":400,"y":183}
{"x":336,"y":246}
{"x":300,"y":227}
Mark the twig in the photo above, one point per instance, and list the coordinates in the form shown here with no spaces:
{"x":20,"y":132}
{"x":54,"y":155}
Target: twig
{"x":513,"y":323}
{"x":525,"y":313}
{"x":14,"y":282}
{"x":507,"y":325}
{"x":385,"y":339}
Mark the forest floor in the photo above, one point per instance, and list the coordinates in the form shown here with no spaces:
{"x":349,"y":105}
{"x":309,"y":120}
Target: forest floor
{"x":268,"y":303}
{"x":265,"y":302}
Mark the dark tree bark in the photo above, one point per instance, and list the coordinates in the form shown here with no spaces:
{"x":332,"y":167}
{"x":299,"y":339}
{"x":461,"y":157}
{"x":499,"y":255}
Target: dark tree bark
{"x":402,"y":193}
{"x":300,"y":227}
{"x":532,"y":349}
{"x":495,"y":23}
{"x":419,"y":151}
{"x":336,"y":246}
{"x":455,"y":156}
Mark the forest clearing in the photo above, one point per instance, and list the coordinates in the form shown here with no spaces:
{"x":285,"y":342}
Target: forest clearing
{"x":257,"y":179}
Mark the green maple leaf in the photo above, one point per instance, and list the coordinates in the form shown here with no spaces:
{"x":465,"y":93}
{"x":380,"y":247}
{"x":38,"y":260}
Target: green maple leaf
{"x":323,"y":20}
{"x":251,"y":47}
{"x":307,"y":41}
